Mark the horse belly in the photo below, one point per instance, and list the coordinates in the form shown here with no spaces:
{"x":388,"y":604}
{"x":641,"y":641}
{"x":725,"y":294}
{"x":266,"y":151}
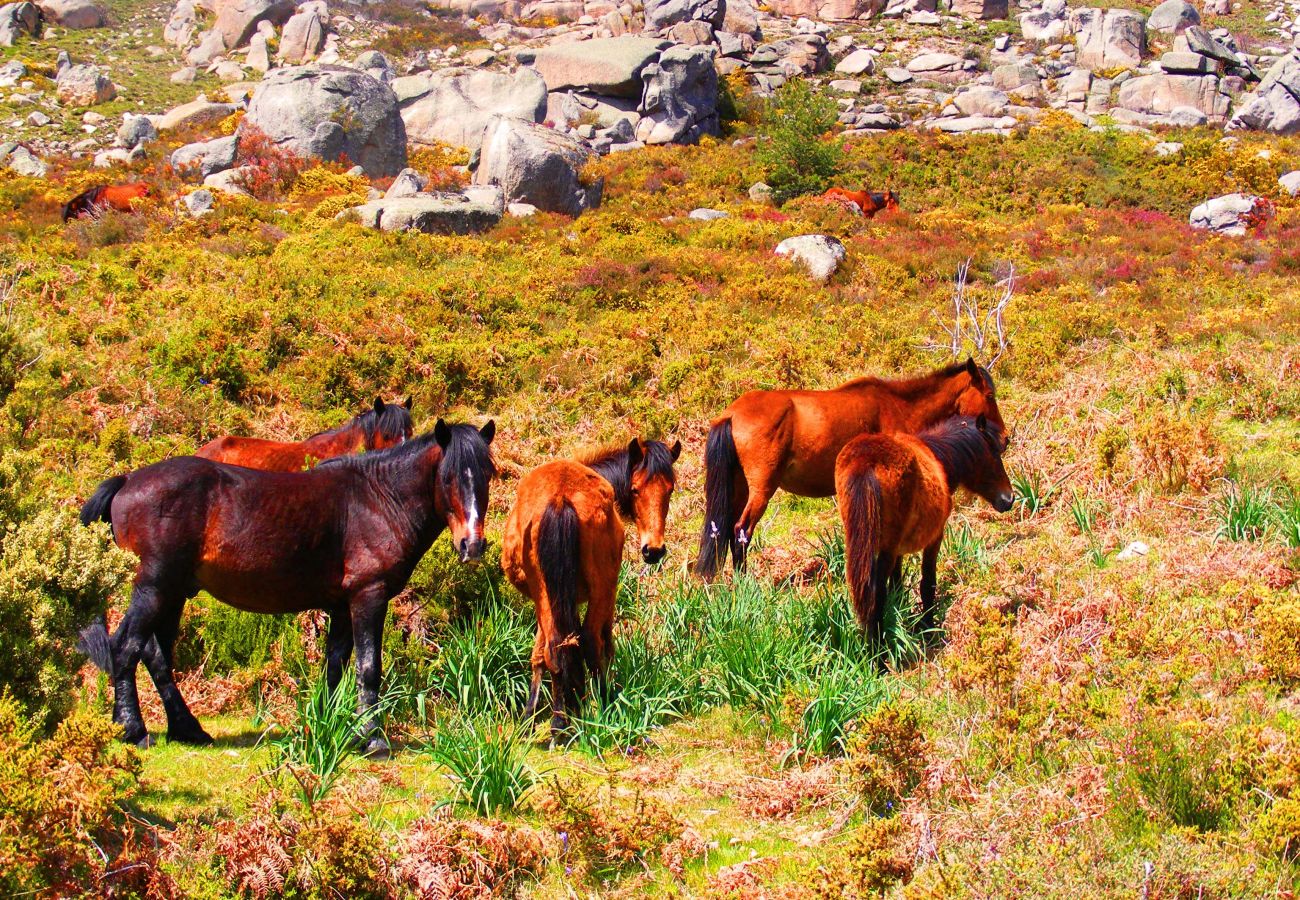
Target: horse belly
{"x":264,"y":590}
{"x":820,"y":435}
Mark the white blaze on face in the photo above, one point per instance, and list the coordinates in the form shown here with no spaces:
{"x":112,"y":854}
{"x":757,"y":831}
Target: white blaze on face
{"x":471,"y":509}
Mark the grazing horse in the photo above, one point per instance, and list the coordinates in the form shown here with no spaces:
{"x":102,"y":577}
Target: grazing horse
{"x":342,"y":537}
{"x":789,"y":439}
{"x":895,"y":495}
{"x":869,"y":202}
{"x":563,"y":547}
{"x":91,"y":203}
{"x":387,"y":425}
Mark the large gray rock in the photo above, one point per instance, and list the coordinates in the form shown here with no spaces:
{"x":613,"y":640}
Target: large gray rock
{"x":609,"y":66}
{"x":1173,"y":17}
{"x":1197,"y":40}
{"x":210,"y":45}
{"x":663,"y":13}
{"x":1046,"y":24}
{"x":18,"y":20}
{"x":741,"y":17}
{"x":570,"y":108}
{"x":935,"y":62}
{"x":204,"y":158}
{"x":1161,"y":94}
{"x":431,"y":214}
{"x":1108,"y":38}
{"x":1186,"y":63}
{"x":1229,"y":214}
{"x":74,"y":14}
{"x":454,"y":105}
{"x":537,"y":165}
{"x":136,"y":131}
{"x":805,"y":54}
{"x":238,"y":19}
{"x":860,"y":62}
{"x":680,"y":102}
{"x":182,"y":25}
{"x":819,"y":253}
{"x":303,"y":37}
{"x":197,"y":112}
{"x":982,"y":101}
{"x":21,"y":161}
{"x":331,"y":112}
{"x":1275,"y":104}
{"x":84,"y":86}
{"x":827,"y":10}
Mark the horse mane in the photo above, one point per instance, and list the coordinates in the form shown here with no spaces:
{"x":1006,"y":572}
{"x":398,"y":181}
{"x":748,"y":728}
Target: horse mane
{"x":960,"y":447}
{"x":392,"y":423}
{"x":921,"y":383}
{"x":466,"y":451}
{"x":610,"y":463}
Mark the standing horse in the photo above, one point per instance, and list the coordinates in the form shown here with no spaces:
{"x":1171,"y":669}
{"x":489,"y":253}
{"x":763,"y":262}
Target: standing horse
{"x":789,"y":439}
{"x":895,"y":495}
{"x":342,"y":537}
{"x":563,"y":547}
{"x":384,"y":426}
{"x":91,"y":203}
{"x":868,"y":202}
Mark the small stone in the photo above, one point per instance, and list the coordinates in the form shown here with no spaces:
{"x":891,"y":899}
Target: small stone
{"x":760,"y":192}
{"x":846,"y":86}
{"x":1133,"y":551}
{"x":897,"y":75}
{"x":1168,"y":148}
{"x":185,"y":75}
{"x":708,"y":215}
{"x":1290,"y":182}
{"x":38,"y":119}
{"x":199,"y":203}
{"x":521,"y":210}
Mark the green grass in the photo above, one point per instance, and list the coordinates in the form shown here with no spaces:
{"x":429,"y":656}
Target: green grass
{"x":487,"y":763}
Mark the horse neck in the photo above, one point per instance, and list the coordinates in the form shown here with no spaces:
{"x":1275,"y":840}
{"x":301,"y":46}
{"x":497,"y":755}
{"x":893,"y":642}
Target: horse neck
{"x":612,"y":467}
{"x":404,"y":483}
{"x":347,"y":438}
{"x":923,"y":402}
{"x":956,"y":456}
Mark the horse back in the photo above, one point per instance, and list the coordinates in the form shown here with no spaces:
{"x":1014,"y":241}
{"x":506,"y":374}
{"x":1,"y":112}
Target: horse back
{"x":256,"y":453}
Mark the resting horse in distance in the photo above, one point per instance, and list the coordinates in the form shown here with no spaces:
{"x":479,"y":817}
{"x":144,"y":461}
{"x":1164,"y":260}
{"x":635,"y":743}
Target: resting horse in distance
{"x":789,"y":439}
{"x":563,"y":548}
{"x":869,"y":202}
{"x":895,"y":496}
{"x":91,"y":203}
{"x":384,"y":426}
{"x":343,"y":537}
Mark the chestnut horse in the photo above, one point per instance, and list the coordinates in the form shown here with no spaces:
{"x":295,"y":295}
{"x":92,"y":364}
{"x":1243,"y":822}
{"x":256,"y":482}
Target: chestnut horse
{"x":91,"y":203}
{"x":895,"y":495}
{"x":342,"y":537}
{"x":563,"y":547}
{"x":869,"y":202}
{"x":384,"y":426}
{"x":789,"y":439}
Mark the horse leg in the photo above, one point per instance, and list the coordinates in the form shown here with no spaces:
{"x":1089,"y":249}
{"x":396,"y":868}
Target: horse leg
{"x":929,"y":580}
{"x":368,"y":610}
{"x":538,"y":663}
{"x":338,"y":647}
{"x":886,"y":566}
{"x":158,"y":655}
{"x":759,"y":493}
{"x":128,"y":642}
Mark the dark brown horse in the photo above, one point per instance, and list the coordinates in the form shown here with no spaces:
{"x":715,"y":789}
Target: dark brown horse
{"x":895,"y":496}
{"x":384,"y":426}
{"x":563,"y":547}
{"x":789,"y":439}
{"x":91,"y":203}
{"x":343,"y":537}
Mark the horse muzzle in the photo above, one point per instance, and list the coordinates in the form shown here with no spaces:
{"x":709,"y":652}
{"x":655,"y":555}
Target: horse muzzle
{"x":653,"y":555}
{"x":471,"y":549}
{"x":1004,"y":501}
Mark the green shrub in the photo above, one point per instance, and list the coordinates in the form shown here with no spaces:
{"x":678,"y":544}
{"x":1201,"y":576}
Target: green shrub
{"x":1179,"y":775}
{"x":794,"y":149}
{"x":55,"y":577}
{"x":228,"y":639}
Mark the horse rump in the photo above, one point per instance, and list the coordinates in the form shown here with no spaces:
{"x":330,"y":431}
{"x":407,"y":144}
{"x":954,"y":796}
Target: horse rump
{"x":860,"y":508}
{"x":99,"y":508}
{"x":557,"y":550}
{"x":721,"y":467}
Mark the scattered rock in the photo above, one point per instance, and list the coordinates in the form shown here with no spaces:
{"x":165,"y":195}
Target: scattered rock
{"x":73,"y":14}
{"x":1168,"y":148}
{"x":1275,"y":104}
{"x":521,"y":210}
{"x":1290,"y":182}
{"x":981,"y":101}
{"x":330,"y":112}
{"x":534,"y":164}
{"x":84,"y":86}
{"x":408,"y":183}
{"x":259,"y":54}
{"x":708,"y":215}
{"x":303,"y":36}
{"x":859,"y":62}
{"x":760,"y":192}
{"x":1173,"y":17}
{"x":455,"y":105}
{"x":205,"y":158}
{"x":441,"y":213}
{"x":897,"y":75}
{"x":1229,"y":214}
{"x":193,"y":114}
{"x":198,"y":203}
{"x":184,"y":75}
{"x":980,"y":9}
{"x":1133,"y":551}
{"x":661,"y":14}
{"x":11,"y":73}
{"x":238,"y":19}
{"x":820,"y":253}
{"x":1108,"y":38}
{"x":1161,"y":94}
{"x":135,"y":131}
{"x":37,"y":119}
{"x":1045,"y":25}
{"x":935,"y":62}
{"x":18,"y":20}
{"x":182,"y":24}
{"x":231,"y":181}
{"x":211,"y":45}
{"x":1186,"y":63}
{"x":21,"y":161}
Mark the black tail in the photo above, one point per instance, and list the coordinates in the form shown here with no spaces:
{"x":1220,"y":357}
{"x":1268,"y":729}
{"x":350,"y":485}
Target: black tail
{"x":93,"y":641}
{"x":99,"y":508}
{"x":557,"y":548}
{"x":721,"y":468}
{"x":860,"y":508}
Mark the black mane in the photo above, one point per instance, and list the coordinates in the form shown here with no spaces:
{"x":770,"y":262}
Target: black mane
{"x":466,"y":451}
{"x":960,"y":447}
{"x":393,"y":423}
{"x":611,"y":464}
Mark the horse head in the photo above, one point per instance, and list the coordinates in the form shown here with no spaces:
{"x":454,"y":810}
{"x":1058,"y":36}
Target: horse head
{"x":461,"y":489}
{"x":979,"y":398}
{"x":651,"y":478}
{"x":386,"y":425}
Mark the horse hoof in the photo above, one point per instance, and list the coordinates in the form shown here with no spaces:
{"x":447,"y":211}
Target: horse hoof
{"x":377,"y":748}
{"x":195,"y":736}
{"x":143,"y":740}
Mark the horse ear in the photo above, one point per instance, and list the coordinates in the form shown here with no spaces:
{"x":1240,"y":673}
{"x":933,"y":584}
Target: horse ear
{"x":379,"y":405}
{"x":442,"y":434}
{"x":407,"y":404}
{"x":676,"y":450}
{"x":488,"y":431}
{"x":973,"y":370}
{"x":634,"y":455}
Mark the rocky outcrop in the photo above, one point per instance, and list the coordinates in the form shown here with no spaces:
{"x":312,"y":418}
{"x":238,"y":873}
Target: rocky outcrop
{"x":1275,"y":104}
{"x":1046,"y":24}
{"x":537,"y":165}
{"x":455,"y":105}
{"x":204,"y":158}
{"x":664,"y":13}
{"x":238,"y":19}
{"x":1108,"y":38}
{"x":441,"y":213}
{"x":18,"y":20}
{"x":1229,"y":214}
{"x":74,"y":14}
{"x":610,"y":66}
{"x":331,"y":112}
{"x":1160,"y":94}
{"x":680,"y":102}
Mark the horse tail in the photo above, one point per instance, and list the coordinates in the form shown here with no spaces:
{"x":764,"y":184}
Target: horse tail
{"x":721,"y":468}
{"x":93,"y":641}
{"x":860,"y":501}
{"x":99,"y":508}
{"x":557,"y":549}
